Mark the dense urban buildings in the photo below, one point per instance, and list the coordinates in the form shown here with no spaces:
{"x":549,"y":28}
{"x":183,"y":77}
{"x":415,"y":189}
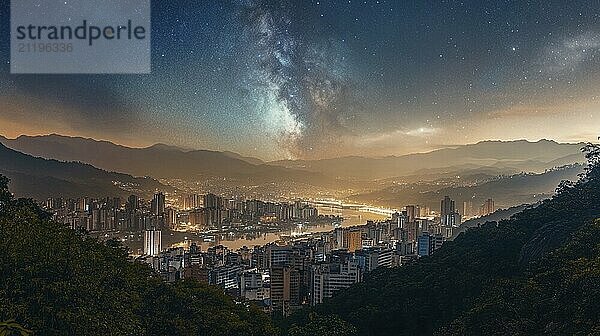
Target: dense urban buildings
{"x":281,"y":276}
{"x":187,"y":214}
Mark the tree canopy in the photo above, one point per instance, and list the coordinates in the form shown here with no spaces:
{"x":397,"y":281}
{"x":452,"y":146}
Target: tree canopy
{"x":57,"y":281}
{"x":536,"y":273}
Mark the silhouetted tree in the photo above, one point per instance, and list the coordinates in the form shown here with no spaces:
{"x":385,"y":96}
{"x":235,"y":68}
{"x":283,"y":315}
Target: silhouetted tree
{"x":536,"y":273}
{"x":12,"y":328}
{"x":58,"y":281}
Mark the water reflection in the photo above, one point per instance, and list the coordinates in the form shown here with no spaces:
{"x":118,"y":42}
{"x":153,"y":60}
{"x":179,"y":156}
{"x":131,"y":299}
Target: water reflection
{"x":351,"y":218}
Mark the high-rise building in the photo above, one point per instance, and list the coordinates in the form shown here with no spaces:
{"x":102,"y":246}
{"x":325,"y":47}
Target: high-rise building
{"x":214,"y":217}
{"x":354,"y":237}
{"x":339,"y":237}
{"x":171,"y":218}
{"x":133,"y":203}
{"x":448,"y":214}
{"x":152,"y":242}
{"x":212,"y":201}
{"x":206,"y":217}
{"x":454,"y":219}
{"x":252,"y":286}
{"x":158,"y":204}
{"x":326,"y":279}
{"x":225,"y":276}
{"x":422,"y":225}
{"x":467,"y":208}
{"x":191,"y":202}
{"x":427,"y":243}
{"x":399,"y":219}
{"x":54,"y":203}
{"x":447,"y":206}
{"x":374,"y":257}
{"x":412,"y":212}
{"x":83,"y":204}
{"x":487,"y":207}
{"x":280,"y":255}
{"x":285,"y":289}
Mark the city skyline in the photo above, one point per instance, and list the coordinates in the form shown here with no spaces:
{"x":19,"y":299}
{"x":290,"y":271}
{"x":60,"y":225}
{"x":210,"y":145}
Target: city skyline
{"x":280,"y":79}
{"x":299,"y":167}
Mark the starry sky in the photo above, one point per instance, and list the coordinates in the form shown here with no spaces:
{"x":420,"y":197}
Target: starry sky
{"x":313,"y":79}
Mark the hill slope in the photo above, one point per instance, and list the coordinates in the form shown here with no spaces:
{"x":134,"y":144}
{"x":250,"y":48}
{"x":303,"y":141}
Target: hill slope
{"x":506,"y":191}
{"x":56,"y":281}
{"x":41,"y":178}
{"x":158,"y":161}
{"x":536,"y":273}
{"x":496,"y":216}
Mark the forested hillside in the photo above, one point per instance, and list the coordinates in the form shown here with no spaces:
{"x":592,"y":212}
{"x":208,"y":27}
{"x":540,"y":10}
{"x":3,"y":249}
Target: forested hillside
{"x":536,"y":273}
{"x":56,"y":281}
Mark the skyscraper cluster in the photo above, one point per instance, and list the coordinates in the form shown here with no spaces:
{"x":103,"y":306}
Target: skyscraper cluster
{"x":198,"y":212}
{"x":282,"y":277}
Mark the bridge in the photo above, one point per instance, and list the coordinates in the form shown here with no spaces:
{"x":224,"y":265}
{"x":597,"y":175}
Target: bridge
{"x":339,"y":205}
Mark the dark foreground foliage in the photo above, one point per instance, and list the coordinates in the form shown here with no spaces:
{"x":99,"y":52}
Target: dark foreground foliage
{"x":56,"y":281}
{"x":537,"y":273}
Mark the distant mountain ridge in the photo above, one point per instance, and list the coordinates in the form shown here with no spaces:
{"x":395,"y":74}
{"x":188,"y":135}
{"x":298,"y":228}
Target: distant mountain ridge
{"x":158,"y":161}
{"x":373,"y":180}
{"x":520,"y":155}
{"x":496,"y":216}
{"x":41,"y":178}
{"x":507,"y":191}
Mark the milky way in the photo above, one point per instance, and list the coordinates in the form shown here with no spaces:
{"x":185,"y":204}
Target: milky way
{"x":314,"y":79}
{"x":304,"y":89}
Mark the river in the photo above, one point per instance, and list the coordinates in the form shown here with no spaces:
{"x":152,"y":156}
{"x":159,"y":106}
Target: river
{"x":351,"y":218}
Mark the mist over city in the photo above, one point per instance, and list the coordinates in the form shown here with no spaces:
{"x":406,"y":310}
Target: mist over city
{"x":279,"y":167}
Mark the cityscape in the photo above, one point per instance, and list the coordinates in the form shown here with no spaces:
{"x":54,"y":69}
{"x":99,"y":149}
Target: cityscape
{"x":302,"y":268}
{"x":299,"y":168}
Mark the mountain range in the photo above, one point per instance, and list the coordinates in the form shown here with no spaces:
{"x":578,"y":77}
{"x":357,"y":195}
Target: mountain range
{"x":518,"y":155}
{"x":161,"y":161}
{"x":507,"y":191}
{"x":378,"y":180}
{"x":41,"y":178}
{"x":535,"y":273}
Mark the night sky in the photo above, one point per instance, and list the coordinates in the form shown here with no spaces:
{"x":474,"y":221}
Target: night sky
{"x":311,"y":79}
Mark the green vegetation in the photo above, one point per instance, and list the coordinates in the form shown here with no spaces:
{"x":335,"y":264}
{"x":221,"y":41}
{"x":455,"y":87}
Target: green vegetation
{"x":558,"y":295}
{"x":56,"y":281}
{"x":12,"y":328}
{"x":323,"y":325}
{"x":536,"y":273}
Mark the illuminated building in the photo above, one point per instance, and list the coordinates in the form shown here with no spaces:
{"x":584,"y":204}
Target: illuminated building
{"x":152,"y":242}
{"x":487,"y":207}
